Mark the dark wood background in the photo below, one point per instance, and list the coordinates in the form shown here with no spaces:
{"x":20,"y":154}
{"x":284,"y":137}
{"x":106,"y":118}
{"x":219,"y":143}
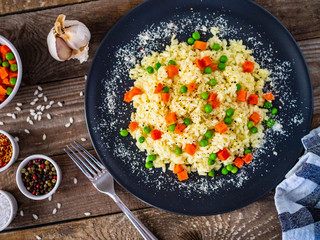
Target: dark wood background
{"x":27,"y":24}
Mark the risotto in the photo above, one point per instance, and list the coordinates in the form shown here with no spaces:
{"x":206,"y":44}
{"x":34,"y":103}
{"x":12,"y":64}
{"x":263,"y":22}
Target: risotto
{"x":199,"y":106}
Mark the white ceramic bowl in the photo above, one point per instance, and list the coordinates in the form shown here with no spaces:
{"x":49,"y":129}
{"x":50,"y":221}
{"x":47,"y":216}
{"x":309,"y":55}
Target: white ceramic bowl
{"x":15,"y":150}
{"x":4,"y":41}
{"x":21,"y":186}
{"x":13,"y":208}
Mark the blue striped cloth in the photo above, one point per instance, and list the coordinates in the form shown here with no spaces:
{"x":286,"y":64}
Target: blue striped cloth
{"x":297,"y":197}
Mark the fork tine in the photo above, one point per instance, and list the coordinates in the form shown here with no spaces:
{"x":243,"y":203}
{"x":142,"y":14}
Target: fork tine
{"x":85,"y":172}
{"x":83,"y":162}
{"x":87,"y":160}
{"x":96,"y":161}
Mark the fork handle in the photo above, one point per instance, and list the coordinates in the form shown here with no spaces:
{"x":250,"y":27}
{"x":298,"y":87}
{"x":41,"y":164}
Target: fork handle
{"x":143,"y":230}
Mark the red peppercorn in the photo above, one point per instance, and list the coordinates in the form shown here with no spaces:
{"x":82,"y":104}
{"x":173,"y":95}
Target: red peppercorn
{"x":34,"y":192}
{"x":34,"y":177}
{"x":37,"y":186}
{"x":42,"y":166}
{"x":54,"y":177}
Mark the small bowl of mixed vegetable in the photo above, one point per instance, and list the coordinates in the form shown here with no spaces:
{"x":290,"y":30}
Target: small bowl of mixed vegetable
{"x":10,"y":71}
{"x":38,"y":177}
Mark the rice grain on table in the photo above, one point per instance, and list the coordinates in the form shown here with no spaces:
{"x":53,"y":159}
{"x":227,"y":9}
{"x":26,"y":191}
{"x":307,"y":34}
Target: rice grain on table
{"x":38,"y":237}
{"x":27,"y":131}
{"x":87,"y":214}
{"x":60,"y":104}
{"x":59,"y":205}
{"x":35,"y":216}
{"x":32,"y":103}
{"x":14,"y":116}
{"x":36,"y":92}
{"x":40,"y":95}
{"x":9,"y":114}
{"x":21,"y":213}
{"x":49,"y":116}
{"x":71,"y":120}
{"x":48,"y":106}
{"x":16,"y":138}
{"x":81,"y":94}
{"x":67,"y":125}
{"x":40,"y":88}
{"x":83,"y":139}
{"x":50,"y":198}
{"x":18,"y":109}
{"x":1,"y":123}
{"x":42,"y":108}
{"x":51,"y":102}
{"x":45,"y":99}
{"x":19,"y":104}
{"x":75,"y":181}
{"x":44,"y":137}
{"x":39,"y":117}
{"x":54,"y":211}
{"x":30,"y":122}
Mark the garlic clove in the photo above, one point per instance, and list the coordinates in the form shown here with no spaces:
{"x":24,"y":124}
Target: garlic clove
{"x":64,"y":52}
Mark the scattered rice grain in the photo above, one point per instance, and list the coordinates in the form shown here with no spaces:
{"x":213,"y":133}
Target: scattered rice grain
{"x":1,"y":123}
{"x":81,"y":94}
{"x":75,"y":181}
{"x":87,"y":214}
{"x":60,"y":104}
{"x":54,"y":211}
{"x":19,"y":104}
{"x":44,"y":137}
{"x":50,"y":198}
{"x":35,"y":216}
{"x":21,"y":213}
{"x":83,"y":139}
{"x":48,"y":116}
{"x":18,"y":109}
{"x":59,"y":205}
{"x":45,"y":99}
{"x":27,"y":131}
{"x":71,"y":120}
{"x":40,"y":88}
{"x":36,"y":92}
{"x":40,"y":95}
{"x":38,"y":237}
{"x":14,"y":116}
{"x":67,"y":125}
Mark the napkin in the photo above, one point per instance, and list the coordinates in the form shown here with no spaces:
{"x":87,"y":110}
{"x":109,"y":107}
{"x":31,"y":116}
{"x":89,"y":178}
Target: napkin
{"x":297,"y":197}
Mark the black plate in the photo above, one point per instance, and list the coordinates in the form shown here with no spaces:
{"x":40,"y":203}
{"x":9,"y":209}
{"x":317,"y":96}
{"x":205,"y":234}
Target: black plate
{"x":108,"y":80}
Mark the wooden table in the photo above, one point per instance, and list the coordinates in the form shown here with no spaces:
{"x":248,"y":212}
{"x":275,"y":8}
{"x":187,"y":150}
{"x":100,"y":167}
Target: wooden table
{"x":26,"y":25}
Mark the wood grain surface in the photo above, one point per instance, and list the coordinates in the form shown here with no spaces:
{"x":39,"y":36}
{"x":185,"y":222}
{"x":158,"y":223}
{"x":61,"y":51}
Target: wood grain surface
{"x":26,"y":25}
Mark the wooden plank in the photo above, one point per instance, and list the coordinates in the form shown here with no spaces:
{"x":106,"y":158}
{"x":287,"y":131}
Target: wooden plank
{"x":76,"y":199}
{"x":9,"y":7}
{"x":256,"y":221}
{"x":28,"y":31}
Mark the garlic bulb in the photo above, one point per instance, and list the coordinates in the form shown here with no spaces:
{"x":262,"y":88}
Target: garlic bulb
{"x":69,"y":39}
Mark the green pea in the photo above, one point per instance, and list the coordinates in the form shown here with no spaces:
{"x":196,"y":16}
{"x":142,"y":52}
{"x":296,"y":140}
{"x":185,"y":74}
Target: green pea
{"x":171,"y":62}
{"x":147,"y":129}
{"x":213,"y":82}
{"x":149,"y":165}
{"x":151,"y":157}
{"x":223,"y":59}
{"x":14,"y":67}
{"x":1,"y":61}
{"x":178,"y":151}
{"x":204,"y":142}
{"x":187,"y":121}
{"x":229,"y":167}
{"x":238,"y":87}
{"x":247,"y":151}
{"x":196,"y":35}
{"x":190,"y":41}
{"x":254,"y":130}
{"x":224,"y":171}
{"x":9,"y":90}
{"x":208,"y":134}
{"x":157,"y":66}
{"x":124,"y":132}
{"x":165,"y":90}
{"x":216,"y":46}
{"x":208,"y":108}
{"x":13,"y":81}
{"x":270,"y":122}
{"x":208,"y":70}
{"x":150,"y":69}
{"x":184,"y":89}
{"x":205,"y":95}
{"x":250,"y":124}
{"x":172,"y":127}
{"x":211,"y":162}
{"x":234,"y":169}
{"x":9,"y":56}
{"x":228,"y":120}
{"x":274,"y":111}
{"x":5,"y":64}
{"x":267,"y":105}
{"x":230,"y":112}
{"x":221,"y":66}
{"x":141,"y":139}
{"x":211,"y":173}
{"x":213,"y":156}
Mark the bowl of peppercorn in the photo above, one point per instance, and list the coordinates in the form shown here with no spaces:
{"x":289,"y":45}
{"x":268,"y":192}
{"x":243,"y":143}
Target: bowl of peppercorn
{"x":38,"y":177}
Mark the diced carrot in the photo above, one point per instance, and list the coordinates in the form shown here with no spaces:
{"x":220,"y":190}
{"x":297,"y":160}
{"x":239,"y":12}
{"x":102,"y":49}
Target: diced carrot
{"x":3,"y":57}
{"x":200,"y":45}
{"x":12,"y":61}
{"x":4,"y":72}
{"x":182,"y":175}
{"x":223,"y":154}
{"x":214,"y":66}
{"x":177,"y":168}
{"x":221,"y":127}
{"x":253,"y":99}
{"x":127,"y":97}
{"x":172,"y":70}
{"x":136,"y":91}
{"x":13,"y":75}
{"x":200,"y":64}
{"x":207,"y":61}
{"x":3,"y":91}
{"x":215,"y":104}
{"x":155,"y":134}
{"x":255,"y":117}
{"x":6,"y":81}
{"x":4,"y":49}
{"x":133,"y":126}
{"x":158,"y":88}
{"x":238,"y":162}
{"x":192,"y":87}
{"x":171,"y":118}
{"x":2,"y":98}
{"x":190,"y":149}
{"x":268,"y":96}
{"x":247,"y":158}
{"x":180,"y":128}
{"x":248,"y":66}
{"x":165,"y":97}
{"x":212,"y":97}
{"x":242,"y":96}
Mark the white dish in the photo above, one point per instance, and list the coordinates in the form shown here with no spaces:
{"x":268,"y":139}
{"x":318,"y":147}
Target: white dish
{"x":13,"y":208}
{"x":21,"y":186}
{"x":15,"y":150}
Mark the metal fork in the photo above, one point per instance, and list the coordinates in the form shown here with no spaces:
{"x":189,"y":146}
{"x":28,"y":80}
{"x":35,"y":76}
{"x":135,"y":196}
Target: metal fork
{"x":103,"y":182}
